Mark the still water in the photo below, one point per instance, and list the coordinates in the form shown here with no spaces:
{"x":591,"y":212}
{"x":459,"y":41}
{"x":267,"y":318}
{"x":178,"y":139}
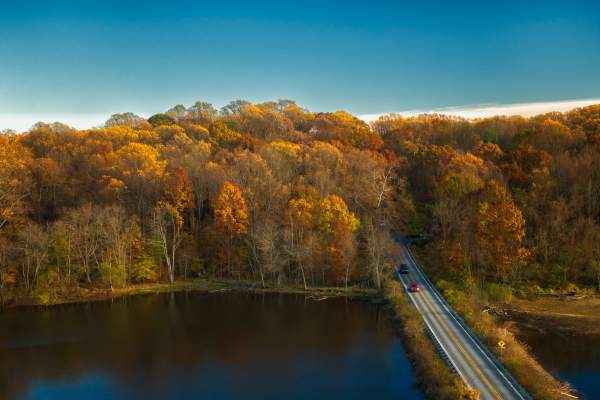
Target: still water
{"x":574,"y":359}
{"x":193,"y":345}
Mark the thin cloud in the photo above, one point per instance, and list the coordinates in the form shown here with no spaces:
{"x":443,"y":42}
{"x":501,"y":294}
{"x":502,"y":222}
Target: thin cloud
{"x":490,"y":110}
{"x":23,"y":122}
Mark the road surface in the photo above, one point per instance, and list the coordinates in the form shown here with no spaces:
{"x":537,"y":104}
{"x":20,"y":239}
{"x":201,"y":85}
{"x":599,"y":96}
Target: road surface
{"x":478,"y":368}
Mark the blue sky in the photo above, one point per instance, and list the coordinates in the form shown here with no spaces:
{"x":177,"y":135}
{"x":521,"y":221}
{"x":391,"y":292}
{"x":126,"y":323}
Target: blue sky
{"x":100,"y":57}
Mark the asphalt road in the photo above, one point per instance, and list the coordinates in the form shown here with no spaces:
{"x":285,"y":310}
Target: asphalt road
{"x":465,"y":354}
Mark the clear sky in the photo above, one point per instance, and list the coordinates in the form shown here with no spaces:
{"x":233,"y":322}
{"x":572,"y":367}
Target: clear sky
{"x":100,"y":57}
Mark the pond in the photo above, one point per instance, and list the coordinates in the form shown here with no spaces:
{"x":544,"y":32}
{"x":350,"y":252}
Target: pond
{"x":571,"y":358}
{"x":193,"y":345}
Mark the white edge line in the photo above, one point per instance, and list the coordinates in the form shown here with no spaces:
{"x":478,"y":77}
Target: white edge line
{"x":434,"y":335}
{"x":435,"y":293}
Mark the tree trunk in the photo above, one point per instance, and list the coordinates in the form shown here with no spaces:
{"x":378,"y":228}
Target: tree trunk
{"x":347,"y":272}
{"x":303,"y":276}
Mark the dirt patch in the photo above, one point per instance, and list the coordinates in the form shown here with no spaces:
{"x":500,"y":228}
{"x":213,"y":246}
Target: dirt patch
{"x":565,"y":314}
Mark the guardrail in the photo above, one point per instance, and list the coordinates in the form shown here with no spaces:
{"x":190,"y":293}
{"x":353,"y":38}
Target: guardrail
{"x":484,"y":348}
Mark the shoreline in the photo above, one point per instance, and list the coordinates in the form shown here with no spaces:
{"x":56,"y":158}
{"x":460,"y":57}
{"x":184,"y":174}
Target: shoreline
{"x":83,"y":295}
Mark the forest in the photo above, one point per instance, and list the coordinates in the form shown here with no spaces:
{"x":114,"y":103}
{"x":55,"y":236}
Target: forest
{"x":279,"y":195}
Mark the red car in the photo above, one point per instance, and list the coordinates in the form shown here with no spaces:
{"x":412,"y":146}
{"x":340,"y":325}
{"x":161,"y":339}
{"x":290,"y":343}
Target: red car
{"x":414,"y":288}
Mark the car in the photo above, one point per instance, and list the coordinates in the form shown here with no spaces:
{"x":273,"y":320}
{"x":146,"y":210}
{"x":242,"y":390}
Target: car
{"x":403,"y":269}
{"x":414,"y":288}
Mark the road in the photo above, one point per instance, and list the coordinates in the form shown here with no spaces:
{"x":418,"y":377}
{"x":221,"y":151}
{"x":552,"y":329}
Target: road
{"x":478,"y":368}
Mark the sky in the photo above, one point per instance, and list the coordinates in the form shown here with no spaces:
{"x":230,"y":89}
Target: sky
{"x":80,"y":61}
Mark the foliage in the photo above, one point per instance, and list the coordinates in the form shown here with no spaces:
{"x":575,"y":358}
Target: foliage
{"x":276,"y":193}
{"x":231,"y":211}
{"x":161,"y":119}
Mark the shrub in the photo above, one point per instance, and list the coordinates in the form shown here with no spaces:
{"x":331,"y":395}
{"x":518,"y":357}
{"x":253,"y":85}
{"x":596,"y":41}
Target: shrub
{"x":498,"y":293}
{"x":145,"y":270}
{"x":113,"y":275}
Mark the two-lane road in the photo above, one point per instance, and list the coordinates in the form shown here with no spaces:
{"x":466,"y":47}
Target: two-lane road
{"x":474,"y":365}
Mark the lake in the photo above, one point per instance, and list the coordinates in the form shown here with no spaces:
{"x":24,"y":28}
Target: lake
{"x":571,"y":358}
{"x":195,"y":345}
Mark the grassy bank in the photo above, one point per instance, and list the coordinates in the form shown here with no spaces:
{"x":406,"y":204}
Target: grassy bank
{"x":80,"y":294}
{"x":434,"y":376}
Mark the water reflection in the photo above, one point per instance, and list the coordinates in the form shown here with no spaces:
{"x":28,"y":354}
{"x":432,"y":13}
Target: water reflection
{"x":574,"y":359}
{"x":199,"y":345}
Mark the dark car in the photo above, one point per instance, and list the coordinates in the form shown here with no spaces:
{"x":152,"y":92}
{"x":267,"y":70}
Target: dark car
{"x":403,"y":269}
{"x":414,"y":288}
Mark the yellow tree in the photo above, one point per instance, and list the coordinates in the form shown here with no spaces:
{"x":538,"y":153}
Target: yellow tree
{"x":220,"y":133}
{"x":169,"y":216}
{"x":347,"y":129}
{"x":301,"y":215}
{"x":231,"y":215}
{"x":337,"y":226}
{"x":138,"y":166}
{"x":500,"y":229}
{"x":456,"y":196}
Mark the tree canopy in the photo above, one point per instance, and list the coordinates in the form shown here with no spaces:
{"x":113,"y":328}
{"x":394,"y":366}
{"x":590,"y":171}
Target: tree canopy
{"x":280,"y":194}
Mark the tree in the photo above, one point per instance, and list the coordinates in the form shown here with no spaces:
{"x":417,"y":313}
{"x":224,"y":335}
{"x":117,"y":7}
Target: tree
{"x":334,"y":212}
{"x":325,"y":166}
{"x":128,"y":119}
{"x":301,"y":246}
{"x":266,"y":252}
{"x":284,"y":159}
{"x":380,"y":250}
{"x":86,"y":235}
{"x":14,"y":181}
{"x":501,"y":229}
{"x":161,"y":119}
{"x":262,"y":121}
{"x":231,"y":212}
{"x":234,"y":107}
{"x":223,"y":135}
{"x":121,"y":233}
{"x":8,"y":275}
{"x":231,"y":215}
{"x":337,"y":225}
{"x":203,"y":111}
{"x":168,"y":224}
{"x":169,"y":216}
{"x":177,"y":111}
{"x":347,"y":129}
{"x":138,"y":166}
{"x":34,"y":245}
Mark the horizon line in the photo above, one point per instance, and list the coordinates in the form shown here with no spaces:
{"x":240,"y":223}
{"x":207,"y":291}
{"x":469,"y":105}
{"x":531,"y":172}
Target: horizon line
{"x":22,"y":122}
{"x":485,"y":110}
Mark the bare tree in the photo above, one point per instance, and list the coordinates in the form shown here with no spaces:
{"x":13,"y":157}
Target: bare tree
{"x":86,"y":230}
{"x":34,"y":241}
{"x":380,"y":249}
{"x":168,"y":225}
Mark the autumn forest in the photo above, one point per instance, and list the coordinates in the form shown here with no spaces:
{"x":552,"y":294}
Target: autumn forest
{"x":280,"y":195}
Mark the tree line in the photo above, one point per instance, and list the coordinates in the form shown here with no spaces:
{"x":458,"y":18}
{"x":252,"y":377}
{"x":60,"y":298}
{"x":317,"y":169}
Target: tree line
{"x":278,"y":194}
{"x":269,"y":192}
{"x":509,"y":200}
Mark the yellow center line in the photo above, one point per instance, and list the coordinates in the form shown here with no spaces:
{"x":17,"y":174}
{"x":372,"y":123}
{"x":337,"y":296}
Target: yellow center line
{"x":457,"y":343}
